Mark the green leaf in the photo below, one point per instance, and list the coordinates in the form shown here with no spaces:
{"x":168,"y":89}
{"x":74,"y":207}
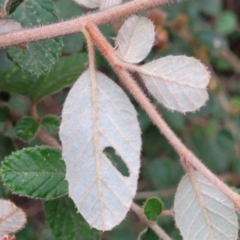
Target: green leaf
{"x":35,"y":172}
{"x":152,"y":208}
{"x":51,"y":123}
{"x":6,"y":146}
{"x":4,"y":113}
{"x":66,"y":223}
{"x":27,"y":128}
{"x":39,"y":57}
{"x":148,"y":234}
{"x":11,"y":5}
{"x":226,"y":22}
{"x":63,"y":74}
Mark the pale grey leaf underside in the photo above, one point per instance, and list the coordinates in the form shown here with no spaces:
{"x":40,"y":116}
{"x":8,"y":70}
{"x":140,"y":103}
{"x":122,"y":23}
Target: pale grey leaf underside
{"x":93,"y":120}
{"x":178,"y":82}
{"x":202,"y":211}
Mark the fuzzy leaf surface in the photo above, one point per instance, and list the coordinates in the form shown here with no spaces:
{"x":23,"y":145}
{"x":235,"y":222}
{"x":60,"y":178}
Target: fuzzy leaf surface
{"x":35,"y":172}
{"x":135,"y":39}
{"x":152,"y":208}
{"x":109,"y":3}
{"x":12,"y":218}
{"x":97,"y":114}
{"x":27,"y":128}
{"x":202,"y":211}
{"x":66,"y":223}
{"x":34,"y":13}
{"x":51,"y":123}
{"x":89,"y":3}
{"x":178,"y":82}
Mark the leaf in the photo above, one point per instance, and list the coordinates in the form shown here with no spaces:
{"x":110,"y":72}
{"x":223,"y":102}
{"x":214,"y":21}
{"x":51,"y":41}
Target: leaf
{"x":135,"y":39}
{"x":51,"y":123}
{"x":63,"y":74}
{"x":152,"y":208}
{"x":39,"y":57}
{"x":8,"y":25}
{"x":178,"y":82}
{"x":97,"y":114}
{"x":27,"y":128}
{"x":12,"y":218}
{"x":35,"y":172}
{"x":109,"y":3}
{"x":6,"y":146}
{"x":148,"y":234}
{"x":4,"y":113}
{"x":66,"y":223}
{"x":226,"y":22}
{"x":89,"y":3}
{"x":202,"y":211}
{"x":13,"y":4}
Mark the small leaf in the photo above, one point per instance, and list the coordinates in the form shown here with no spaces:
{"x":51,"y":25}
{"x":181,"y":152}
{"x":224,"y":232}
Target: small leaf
{"x":135,"y":39}
{"x":39,"y":57}
{"x":97,"y":114}
{"x":4,"y":113}
{"x":6,"y":146}
{"x":202,"y":211}
{"x":12,"y":218}
{"x":27,"y":128}
{"x":148,"y":234}
{"x":35,"y":172}
{"x":89,"y":3}
{"x":66,"y":223}
{"x":109,"y":3}
{"x":8,"y":25}
{"x":178,"y":82}
{"x":51,"y":123}
{"x":152,"y":208}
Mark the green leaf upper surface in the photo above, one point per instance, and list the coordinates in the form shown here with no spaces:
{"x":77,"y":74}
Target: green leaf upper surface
{"x":4,"y":113}
{"x":35,"y":172}
{"x":148,"y":234}
{"x":152,"y":208}
{"x":13,"y":4}
{"x":64,"y":73}
{"x":27,"y":128}
{"x":66,"y":223}
{"x":51,"y":123}
{"x":6,"y":146}
{"x":39,"y":57}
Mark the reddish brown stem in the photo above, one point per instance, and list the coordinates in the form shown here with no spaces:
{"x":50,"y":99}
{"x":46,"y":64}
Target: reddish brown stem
{"x":188,"y":158}
{"x":77,"y":24}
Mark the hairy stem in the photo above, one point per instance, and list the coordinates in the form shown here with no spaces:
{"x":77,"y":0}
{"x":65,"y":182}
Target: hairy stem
{"x":153,"y":225}
{"x":187,"y":157}
{"x":77,"y":24}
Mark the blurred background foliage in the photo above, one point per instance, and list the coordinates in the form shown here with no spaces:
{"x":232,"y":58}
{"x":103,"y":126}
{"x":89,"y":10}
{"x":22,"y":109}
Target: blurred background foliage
{"x":206,"y":29}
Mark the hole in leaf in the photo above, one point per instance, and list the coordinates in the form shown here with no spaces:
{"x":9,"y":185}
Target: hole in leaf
{"x":116,"y":160}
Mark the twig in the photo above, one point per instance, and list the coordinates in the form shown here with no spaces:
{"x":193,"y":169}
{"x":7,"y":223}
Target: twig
{"x":153,"y":225}
{"x":186,"y":155}
{"x":76,"y":25}
{"x":49,"y":140}
{"x":163,"y":193}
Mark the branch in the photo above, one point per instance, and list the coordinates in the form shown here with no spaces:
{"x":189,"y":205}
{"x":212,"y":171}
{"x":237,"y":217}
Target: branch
{"x":76,"y":25}
{"x":187,"y":157}
{"x":153,"y":225}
